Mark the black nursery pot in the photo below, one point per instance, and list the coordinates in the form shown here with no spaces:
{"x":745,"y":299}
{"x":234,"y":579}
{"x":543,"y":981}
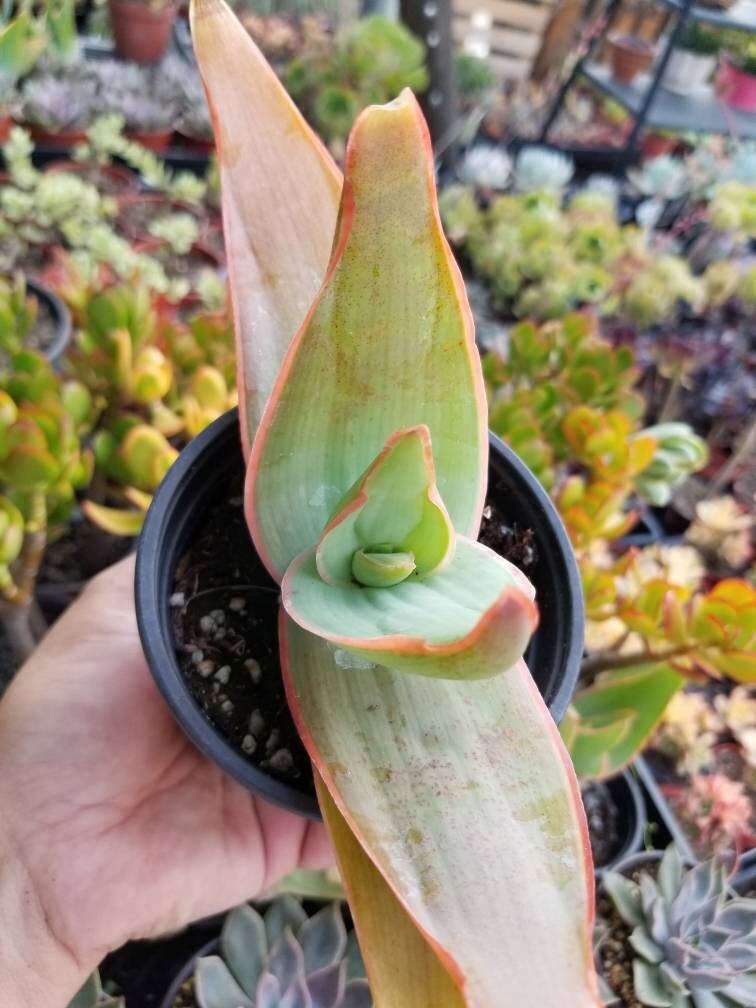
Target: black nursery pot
{"x":60,"y":315}
{"x":627,"y":798}
{"x":198,"y":480}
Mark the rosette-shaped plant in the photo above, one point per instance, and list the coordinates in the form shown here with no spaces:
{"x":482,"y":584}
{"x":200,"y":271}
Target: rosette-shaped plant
{"x":282,"y":958}
{"x":451,"y":805}
{"x":695,"y":940}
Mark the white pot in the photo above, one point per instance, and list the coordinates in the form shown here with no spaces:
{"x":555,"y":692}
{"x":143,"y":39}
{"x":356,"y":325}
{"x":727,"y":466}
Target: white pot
{"x":688,"y":72}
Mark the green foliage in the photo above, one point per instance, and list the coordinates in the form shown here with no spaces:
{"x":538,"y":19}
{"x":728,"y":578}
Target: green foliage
{"x":283,"y":957}
{"x":371,"y":61}
{"x":694,"y":938}
{"x":699,"y":39}
{"x":18,"y":313}
{"x":475,"y":76}
{"x":179,"y":231}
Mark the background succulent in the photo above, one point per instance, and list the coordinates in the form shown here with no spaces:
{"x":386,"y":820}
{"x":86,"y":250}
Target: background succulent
{"x":283,"y":958}
{"x":540,"y":168}
{"x":695,"y":939}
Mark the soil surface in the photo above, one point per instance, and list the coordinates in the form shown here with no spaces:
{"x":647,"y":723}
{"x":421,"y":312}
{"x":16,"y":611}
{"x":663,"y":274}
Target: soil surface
{"x":186,"y":997}
{"x":187,"y":267}
{"x":225,"y":609}
{"x":81,"y":552}
{"x":603,"y":822}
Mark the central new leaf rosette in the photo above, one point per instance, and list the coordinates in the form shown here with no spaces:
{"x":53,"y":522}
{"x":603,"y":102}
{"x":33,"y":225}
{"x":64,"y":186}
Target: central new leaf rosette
{"x":390,"y":580}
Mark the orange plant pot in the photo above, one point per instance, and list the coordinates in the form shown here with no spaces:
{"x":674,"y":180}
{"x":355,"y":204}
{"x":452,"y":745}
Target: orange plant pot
{"x":141,"y":33}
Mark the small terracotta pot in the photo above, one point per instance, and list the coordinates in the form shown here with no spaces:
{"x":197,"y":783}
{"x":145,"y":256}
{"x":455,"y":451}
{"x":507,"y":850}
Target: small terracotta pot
{"x":737,"y":87}
{"x":118,"y":173}
{"x":158,"y":142}
{"x":656,"y":144}
{"x":141,"y":33}
{"x":5,"y":127}
{"x":65,"y":139}
{"x":629,"y":55}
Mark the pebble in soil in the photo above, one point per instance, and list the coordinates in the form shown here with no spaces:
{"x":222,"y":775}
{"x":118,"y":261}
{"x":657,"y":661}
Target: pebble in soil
{"x":224,"y":613}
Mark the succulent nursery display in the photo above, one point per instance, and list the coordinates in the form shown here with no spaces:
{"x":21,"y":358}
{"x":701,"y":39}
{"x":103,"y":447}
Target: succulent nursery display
{"x":281,"y":957}
{"x":689,"y":936}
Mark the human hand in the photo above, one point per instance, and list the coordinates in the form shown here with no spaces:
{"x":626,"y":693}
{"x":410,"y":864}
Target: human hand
{"x":113,"y":825}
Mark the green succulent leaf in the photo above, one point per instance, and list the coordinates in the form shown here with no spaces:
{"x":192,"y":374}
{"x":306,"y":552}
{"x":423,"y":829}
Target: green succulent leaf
{"x":269,"y":159}
{"x":244,"y":945}
{"x":390,"y":338}
{"x":645,"y":691}
{"x":323,"y":938}
{"x":470,"y":621}
{"x":216,"y":987}
{"x":645,"y":946}
{"x":392,"y":522}
{"x":285,"y":912}
{"x":116,"y":521}
{"x":649,"y":985}
{"x":268,"y":992}
{"x":626,"y":897}
{"x":418,"y":795}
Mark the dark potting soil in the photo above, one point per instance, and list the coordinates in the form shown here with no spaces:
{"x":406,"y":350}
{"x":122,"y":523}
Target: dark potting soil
{"x":8,"y":664}
{"x":186,"y":997}
{"x":81,"y":552}
{"x":603,"y":822}
{"x":224,"y":613}
{"x":187,"y":267}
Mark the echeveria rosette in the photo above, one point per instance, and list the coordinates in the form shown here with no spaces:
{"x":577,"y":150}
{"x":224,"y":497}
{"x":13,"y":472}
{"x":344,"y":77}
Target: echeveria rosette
{"x":391,"y":582}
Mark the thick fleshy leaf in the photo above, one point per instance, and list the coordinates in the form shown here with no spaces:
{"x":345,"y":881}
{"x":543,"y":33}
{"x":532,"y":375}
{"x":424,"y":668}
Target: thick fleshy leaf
{"x":466,"y":781}
{"x":297,"y":996}
{"x":245,"y":946}
{"x":393,"y":509}
{"x":286,"y":961}
{"x":216,"y":987}
{"x":649,"y":985}
{"x":646,"y":690}
{"x":326,"y":985}
{"x":280,"y":193}
{"x":402,"y":967}
{"x":590,"y":740}
{"x":388,"y":345}
{"x":645,"y":946}
{"x":286,"y":912}
{"x":626,"y":897}
{"x":117,"y":521}
{"x":323,"y":938}
{"x":268,"y":992}
{"x":471,"y":621}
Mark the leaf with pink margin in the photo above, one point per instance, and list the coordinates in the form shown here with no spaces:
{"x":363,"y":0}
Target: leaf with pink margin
{"x":388,"y":345}
{"x":280,"y":196}
{"x":394,"y":502}
{"x":464,"y":781}
{"x":472,"y":620}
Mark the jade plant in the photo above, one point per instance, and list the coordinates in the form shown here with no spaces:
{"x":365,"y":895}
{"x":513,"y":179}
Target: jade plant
{"x":450,"y":802}
{"x":283,"y":957}
{"x":692,"y":936}
{"x":18,"y":312}
{"x":42,"y":465}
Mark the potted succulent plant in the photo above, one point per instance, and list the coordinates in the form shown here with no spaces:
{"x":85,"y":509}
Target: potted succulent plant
{"x":32,"y":318}
{"x":693,"y":59}
{"x":142,"y":28}
{"x":276,"y":952}
{"x":736,"y":80}
{"x":675,"y":935}
{"x":59,"y":106}
{"x":439,"y":771}
{"x":629,"y":56}
{"x":148,"y":99}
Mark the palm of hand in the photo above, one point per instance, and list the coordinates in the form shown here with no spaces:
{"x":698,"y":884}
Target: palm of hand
{"x":124,"y":829}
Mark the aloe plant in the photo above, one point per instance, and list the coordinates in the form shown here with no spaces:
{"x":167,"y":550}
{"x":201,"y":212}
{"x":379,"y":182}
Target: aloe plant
{"x":452,"y":807}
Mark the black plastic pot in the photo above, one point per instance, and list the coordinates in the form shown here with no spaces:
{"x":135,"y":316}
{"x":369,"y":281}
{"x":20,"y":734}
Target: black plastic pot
{"x":664,"y":810}
{"x":60,"y":314}
{"x":196,"y":481}
{"x":186,"y":971}
{"x":628,"y":799}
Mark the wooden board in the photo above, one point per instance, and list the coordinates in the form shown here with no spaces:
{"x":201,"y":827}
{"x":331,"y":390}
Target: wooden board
{"x":515,"y":34}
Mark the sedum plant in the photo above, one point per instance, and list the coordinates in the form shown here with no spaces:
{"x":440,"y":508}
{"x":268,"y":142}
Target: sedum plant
{"x":540,"y":169}
{"x":178,"y":231}
{"x":283,"y":957}
{"x":694,"y":939}
{"x":364,"y":495}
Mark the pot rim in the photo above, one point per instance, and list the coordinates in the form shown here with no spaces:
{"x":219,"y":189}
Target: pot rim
{"x":158,"y":646}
